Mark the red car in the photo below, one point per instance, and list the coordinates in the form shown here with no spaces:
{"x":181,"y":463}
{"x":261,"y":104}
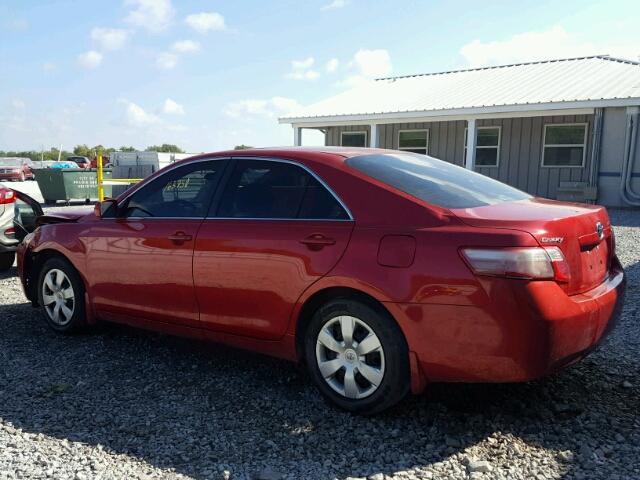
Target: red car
{"x":380,"y":270}
{"x":16,"y":168}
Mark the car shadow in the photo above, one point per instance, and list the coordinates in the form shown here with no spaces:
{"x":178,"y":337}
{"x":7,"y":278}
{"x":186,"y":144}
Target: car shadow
{"x":198,"y":408}
{"x":12,"y":272}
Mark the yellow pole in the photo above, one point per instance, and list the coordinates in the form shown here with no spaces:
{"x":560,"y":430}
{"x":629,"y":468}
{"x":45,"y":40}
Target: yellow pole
{"x":100,"y":179}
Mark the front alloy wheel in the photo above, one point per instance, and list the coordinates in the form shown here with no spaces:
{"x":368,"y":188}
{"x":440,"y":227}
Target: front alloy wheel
{"x":61,"y":296}
{"x":58,"y":297}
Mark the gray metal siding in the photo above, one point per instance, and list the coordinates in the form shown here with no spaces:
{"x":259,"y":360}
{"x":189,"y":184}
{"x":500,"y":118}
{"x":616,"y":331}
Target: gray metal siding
{"x":521,"y":146}
{"x":612,"y":156}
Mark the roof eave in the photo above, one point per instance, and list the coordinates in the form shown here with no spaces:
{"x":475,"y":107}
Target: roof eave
{"x":470,"y":112}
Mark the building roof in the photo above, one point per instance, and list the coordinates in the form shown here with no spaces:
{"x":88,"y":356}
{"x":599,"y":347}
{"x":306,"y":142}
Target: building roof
{"x":566,"y":83}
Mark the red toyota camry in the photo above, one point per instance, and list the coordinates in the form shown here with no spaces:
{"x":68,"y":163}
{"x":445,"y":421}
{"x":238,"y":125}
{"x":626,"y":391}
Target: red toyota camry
{"x":380,"y":270}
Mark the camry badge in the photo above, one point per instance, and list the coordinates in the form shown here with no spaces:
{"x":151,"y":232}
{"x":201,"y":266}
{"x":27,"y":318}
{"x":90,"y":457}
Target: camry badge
{"x":552,"y":239}
{"x":600,"y":230}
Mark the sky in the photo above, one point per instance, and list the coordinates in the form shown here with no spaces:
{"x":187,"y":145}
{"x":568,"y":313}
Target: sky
{"x":209,"y":74}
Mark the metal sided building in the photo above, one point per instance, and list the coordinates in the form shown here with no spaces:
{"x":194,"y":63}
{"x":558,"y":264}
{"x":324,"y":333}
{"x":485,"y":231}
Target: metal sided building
{"x":565,"y":129}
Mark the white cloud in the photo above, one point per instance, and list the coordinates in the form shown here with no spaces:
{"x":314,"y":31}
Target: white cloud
{"x":301,"y":70}
{"x":90,"y":59}
{"x":367,"y":65}
{"x":152,"y":15}
{"x":48,"y":66}
{"x":302,"y":64}
{"x":306,"y":75}
{"x":266,"y":108}
{"x":136,"y":116}
{"x":205,"y":21}
{"x":109,"y":38}
{"x":332,"y":65}
{"x":186,"y":46}
{"x":373,"y":63}
{"x":18,"y":24}
{"x":18,"y":104}
{"x":335,"y":4}
{"x":166,"y":61}
{"x":172,"y":107}
{"x":543,"y":45}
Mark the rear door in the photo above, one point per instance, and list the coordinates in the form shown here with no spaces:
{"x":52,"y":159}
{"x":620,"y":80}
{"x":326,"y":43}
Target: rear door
{"x":277,"y":229}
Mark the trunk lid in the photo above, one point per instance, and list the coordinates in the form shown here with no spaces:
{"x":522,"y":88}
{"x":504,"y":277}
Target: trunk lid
{"x":583,"y":233}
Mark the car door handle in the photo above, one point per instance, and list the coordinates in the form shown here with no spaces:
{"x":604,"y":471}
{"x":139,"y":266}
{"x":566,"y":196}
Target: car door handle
{"x":318,"y":240}
{"x":180,"y":237}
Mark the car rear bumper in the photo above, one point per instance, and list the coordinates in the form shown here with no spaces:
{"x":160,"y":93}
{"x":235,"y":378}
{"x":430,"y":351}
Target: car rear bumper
{"x":528,"y":330}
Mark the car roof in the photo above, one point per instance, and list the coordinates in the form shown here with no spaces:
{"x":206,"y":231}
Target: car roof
{"x":309,"y":153}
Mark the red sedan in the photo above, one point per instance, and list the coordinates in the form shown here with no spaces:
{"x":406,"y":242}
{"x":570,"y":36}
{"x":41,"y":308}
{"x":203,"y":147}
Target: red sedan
{"x":16,"y":168}
{"x":380,"y":270}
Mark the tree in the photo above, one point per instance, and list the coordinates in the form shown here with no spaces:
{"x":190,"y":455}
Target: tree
{"x":242,"y":147}
{"x":165,"y":147}
{"x":82,"y":150}
{"x":127,"y":149}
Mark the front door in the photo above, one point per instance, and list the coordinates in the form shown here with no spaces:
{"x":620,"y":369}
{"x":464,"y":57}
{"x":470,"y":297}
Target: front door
{"x":276,"y":230}
{"x":140,"y":261}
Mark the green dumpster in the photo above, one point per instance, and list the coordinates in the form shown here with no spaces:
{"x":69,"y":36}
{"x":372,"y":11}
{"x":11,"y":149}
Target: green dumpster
{"x":70,"y":184}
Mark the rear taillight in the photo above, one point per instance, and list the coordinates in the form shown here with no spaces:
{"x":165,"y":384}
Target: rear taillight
{"x":532,"y":263}
{"x":7,"y":196}
{"x":10,"y":232}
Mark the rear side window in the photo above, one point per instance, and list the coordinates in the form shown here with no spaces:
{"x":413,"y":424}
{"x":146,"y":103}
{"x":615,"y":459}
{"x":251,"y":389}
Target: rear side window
{"x":435,"y":181}
{"x":278,"y":190}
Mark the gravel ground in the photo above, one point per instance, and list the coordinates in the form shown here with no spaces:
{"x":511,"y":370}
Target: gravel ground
{"x":121,"y":403}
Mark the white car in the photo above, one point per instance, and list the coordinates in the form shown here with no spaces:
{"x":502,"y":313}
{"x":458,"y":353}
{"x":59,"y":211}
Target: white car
{"x":18,"y":213}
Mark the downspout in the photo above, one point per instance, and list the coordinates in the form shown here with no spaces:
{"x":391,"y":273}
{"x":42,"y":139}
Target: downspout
{"x":594,"y":172}
{"x":626,"y":188}
{"x":632,"y":159}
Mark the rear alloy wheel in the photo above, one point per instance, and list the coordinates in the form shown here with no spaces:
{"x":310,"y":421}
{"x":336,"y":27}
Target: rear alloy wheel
{"x":61,"y":296}
{"x":350,"y":357}
{"x":357,"y":356}
{"x":6,"y":260}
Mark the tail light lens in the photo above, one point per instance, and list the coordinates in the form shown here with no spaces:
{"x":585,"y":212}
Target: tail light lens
{"x":7,"y":196}
{"x":533,"y":263}
{"x":10,"y":232}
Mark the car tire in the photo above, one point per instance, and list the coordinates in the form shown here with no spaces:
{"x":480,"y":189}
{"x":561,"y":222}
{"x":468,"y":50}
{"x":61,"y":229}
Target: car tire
{"x":363,"y":378}
{"x":6,"y":260}
{"x":61,"y":296}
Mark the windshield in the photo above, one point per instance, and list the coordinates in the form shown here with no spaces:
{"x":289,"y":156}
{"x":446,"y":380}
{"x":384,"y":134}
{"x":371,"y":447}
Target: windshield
{"x":435,"y":181}
{"x":11,"y":162}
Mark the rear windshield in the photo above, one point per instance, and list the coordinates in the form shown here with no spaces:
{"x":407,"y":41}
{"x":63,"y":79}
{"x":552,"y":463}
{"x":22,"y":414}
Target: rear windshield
{"x":11,"y":162}
{"x":435,"y":181}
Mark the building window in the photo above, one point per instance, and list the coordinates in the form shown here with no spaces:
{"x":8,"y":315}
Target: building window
{"x":353,"y":139}
{"x":487,"y":146}
{"x":564,"y":145}
{"x":416,"y":141}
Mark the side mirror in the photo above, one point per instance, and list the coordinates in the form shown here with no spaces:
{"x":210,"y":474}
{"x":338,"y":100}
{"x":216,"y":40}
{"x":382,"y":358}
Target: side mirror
{"x":104,"y":206}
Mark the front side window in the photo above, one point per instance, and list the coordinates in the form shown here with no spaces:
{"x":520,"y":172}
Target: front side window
{"x":564,"y":145}
{"x":183,"y":192}
{"x":435,"y":181}
{"x":416,"y":141}
{"x":353,"y":139}
{"x":487,"y":146}
{"x":277,"y":190}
